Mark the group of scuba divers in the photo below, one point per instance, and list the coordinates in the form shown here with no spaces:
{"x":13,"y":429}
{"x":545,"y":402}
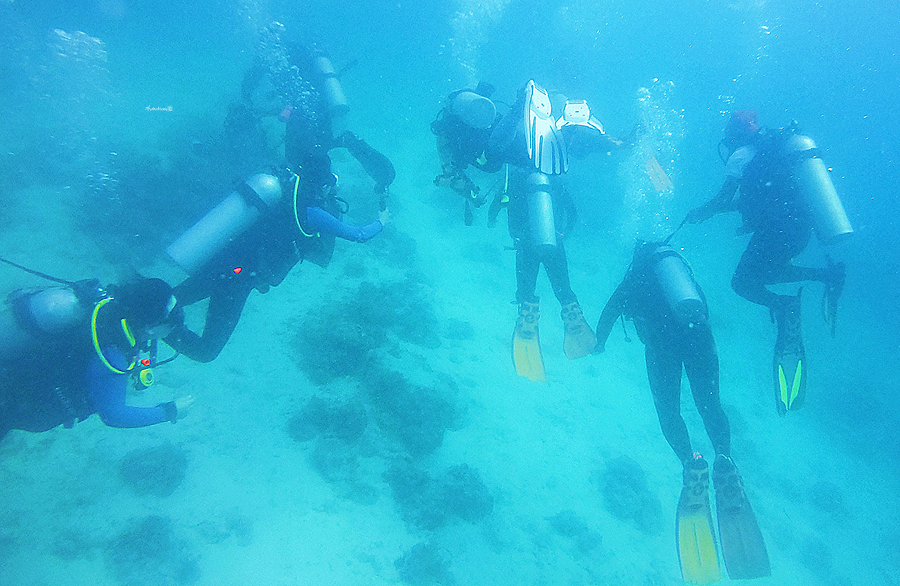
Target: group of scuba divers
{"x":774,"y":178}
{"x":74,"y":349}
{"x":71,"y":350}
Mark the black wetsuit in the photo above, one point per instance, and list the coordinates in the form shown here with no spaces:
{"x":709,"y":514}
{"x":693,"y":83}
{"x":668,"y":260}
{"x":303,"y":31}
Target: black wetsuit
{"x":464,"y":144}
{"x":507,"y":144}
{"x":772,"y":209}
{"x":59,"y":379}
{"x":258,"y":259}
{"x":669,"y":347}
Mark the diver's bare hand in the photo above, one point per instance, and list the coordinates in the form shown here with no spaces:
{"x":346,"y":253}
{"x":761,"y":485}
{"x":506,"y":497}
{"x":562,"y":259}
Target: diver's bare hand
{"x":183,"y":406}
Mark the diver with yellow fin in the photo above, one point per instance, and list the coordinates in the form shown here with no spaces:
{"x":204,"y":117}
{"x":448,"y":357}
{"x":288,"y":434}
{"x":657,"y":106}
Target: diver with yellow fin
{"x":668,"y":308}
{"x":540,"y":212}
{"x":782,"y":188}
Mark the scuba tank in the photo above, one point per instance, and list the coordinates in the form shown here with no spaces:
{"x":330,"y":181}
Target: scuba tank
{"x":541,"y":223}
{"x":330,"y":87}
{"x":676,"y":281}
{"x":32,"y":313}
{"x":811,"y":176}
{"x":473,"y":109}
{"x":237,"y":212}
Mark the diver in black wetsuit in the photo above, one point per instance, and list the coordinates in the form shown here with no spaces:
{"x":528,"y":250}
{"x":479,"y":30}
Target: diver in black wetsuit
{"x":296,"y":83}
{"x":782,"y":190}
{"x":759,"y":184}
{"x":674,"y":339}
{"x":298,"y":222}
{"x":67,"y":353}
{"x":462,"y":130}
{"x":670,"y":314}
{"x":540,"y":213}
{"x":262,"y":256}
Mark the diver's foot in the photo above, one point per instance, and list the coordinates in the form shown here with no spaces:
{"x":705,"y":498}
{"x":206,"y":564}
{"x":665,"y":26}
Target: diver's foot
{"x":786,"y":312}
{"x":728,"y":483}
{"x":696,"y":481}
{"x":579,"y":337}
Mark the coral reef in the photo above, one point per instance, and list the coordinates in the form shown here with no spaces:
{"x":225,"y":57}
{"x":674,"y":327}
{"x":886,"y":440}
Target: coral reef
{"x":429,"y":503}
{"x":148,"y":553}
{"x":415,"y":416}
{"x":344,"y":339}
{"x":627,"y":497}
{"x":424,"y":565}
{"x":341,"y":420}
{"x":568,"y":524}
{"x":156,"y":471}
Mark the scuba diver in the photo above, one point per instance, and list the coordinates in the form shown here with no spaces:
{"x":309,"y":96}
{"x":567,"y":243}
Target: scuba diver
{"x":252,"y":240}
{"x":255,"y":236}
{"x":782,"y":189}
{"x":541,"y":211}
{"x":462,"y":130}
{"x":67,"y":352}
{"x":668,"y":308}
{"x":296,"y":83}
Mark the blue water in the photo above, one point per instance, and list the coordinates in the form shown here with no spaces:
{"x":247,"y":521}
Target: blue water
{"x":453,"y":469}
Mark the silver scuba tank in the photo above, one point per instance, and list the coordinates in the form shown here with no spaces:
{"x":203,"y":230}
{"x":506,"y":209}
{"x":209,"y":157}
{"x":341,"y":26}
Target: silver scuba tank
{"x":678,"y":286}
{"x":541,"y":224}
{"x":331,"y":87}
{"x":225,"y":222}
{"x":812,"y":178}
{"x":33,"y":312}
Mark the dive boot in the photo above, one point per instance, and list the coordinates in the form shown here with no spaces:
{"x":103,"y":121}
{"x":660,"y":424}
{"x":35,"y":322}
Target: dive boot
{"x":789,"y":364}
{"x":580,"y":340}
{"x":526,"y":345}
{"x":743,"y":547}
{"x":695,"y":537}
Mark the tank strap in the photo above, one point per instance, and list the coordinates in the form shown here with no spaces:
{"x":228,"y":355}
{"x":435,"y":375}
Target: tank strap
{"x":251,"y":197}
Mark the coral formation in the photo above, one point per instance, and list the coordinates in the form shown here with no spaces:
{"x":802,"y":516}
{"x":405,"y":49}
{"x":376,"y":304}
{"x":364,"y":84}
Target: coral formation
{"x":424,"y":565}
{"x":156,"y":471}
{"x":429,"y":503}
{"x":148,"y":553}
{"x":627,"y":497}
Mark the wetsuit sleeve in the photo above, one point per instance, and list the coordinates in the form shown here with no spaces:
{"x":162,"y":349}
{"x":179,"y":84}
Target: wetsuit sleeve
{"x":319,"y":220}
{"x":722,"y":202}
{"x":611,"y":312}
{"x":107,"y":393}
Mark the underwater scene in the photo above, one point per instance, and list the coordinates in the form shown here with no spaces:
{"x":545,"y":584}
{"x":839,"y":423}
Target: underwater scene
{"x":449,"y":292}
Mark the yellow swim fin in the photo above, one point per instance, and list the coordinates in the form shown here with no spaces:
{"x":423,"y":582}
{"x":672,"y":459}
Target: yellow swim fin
{"x":695,"y":535}
{"x":526,"y":345}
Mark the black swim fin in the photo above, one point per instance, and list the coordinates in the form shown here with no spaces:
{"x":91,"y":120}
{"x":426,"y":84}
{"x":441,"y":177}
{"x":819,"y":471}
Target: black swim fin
{"x":743,"y":547}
